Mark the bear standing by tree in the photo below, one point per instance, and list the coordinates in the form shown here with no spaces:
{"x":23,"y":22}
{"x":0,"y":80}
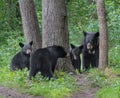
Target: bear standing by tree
{"x":90,"y":53}
{"x":44,"y":60}
{"x":22,"y":58}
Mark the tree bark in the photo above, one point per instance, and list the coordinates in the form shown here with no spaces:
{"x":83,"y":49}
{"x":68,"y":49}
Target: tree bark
{"x":103,"y":40}
{"x":54,"y":28}
{"x":30,"y":23}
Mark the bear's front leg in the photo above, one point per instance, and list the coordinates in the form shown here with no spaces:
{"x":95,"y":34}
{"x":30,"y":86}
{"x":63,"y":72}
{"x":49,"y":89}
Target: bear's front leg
{"x":32,"y":73}
{"x":86,"y":61}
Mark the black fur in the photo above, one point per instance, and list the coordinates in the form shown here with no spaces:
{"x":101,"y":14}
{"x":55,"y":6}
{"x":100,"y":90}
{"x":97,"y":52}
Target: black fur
{"x":45,"y":59}
{"x":90,"y":53}
{"x":21,"y":59}
{"x":75,"y":56}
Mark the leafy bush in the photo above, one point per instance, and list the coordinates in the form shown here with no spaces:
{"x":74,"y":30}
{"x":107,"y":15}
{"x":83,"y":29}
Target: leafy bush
{"x":114,"y":57}
{"x":9,"y":46}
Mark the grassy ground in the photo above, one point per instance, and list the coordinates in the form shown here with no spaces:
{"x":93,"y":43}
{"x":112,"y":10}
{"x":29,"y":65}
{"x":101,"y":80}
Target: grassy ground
{"x":107,"y":81}
{"x":55,"y":88}
{"x":58,"y":87}
{"x":64,"y":84}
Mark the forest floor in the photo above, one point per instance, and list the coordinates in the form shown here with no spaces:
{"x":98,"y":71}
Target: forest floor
{"x":85,"y":90}
{"x":13,"y":93}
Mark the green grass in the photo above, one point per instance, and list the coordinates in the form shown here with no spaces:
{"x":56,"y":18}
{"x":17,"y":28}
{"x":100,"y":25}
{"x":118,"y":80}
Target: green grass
{"x":109,"y":92}
{"x":58,"y":87}
{"x":64,"y":84}
{"x":112,"y":87}
{"x":55,"y":88}
{"x":107,"y":82}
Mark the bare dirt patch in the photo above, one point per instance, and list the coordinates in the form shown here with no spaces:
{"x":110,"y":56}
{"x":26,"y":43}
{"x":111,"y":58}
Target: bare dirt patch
{"x":85,"y":89}
{"x":13,"y":93}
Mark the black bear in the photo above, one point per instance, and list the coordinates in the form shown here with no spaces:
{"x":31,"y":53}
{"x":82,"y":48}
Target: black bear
{"x":90,"y":53}
{"x":22,"y":58}
{"x":75,"y":52}
{"x":44,"y":60}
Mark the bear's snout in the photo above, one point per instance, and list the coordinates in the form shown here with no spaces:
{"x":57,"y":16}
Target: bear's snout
{"x":89,"y":46}
{"x":29,"y":51}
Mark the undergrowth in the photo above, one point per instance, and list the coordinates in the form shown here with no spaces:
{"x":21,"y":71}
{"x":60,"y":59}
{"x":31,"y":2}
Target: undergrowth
{"x":62,"y":85}
{"x":39,"y":86}
{"x":58,"y":87}
{"x":107,"y":81}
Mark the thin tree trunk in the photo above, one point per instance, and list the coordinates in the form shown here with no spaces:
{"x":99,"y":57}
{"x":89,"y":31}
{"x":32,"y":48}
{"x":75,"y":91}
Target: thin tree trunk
{"x":54,"y":27}
{"x":103,"y":40}
{"x":30,"y":23}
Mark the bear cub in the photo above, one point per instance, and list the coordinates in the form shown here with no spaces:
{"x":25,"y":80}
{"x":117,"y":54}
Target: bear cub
{"x":44,"y":60}
{"x":90,"y":53}
{"x":75,"y":52}
{"x":22,"y":58}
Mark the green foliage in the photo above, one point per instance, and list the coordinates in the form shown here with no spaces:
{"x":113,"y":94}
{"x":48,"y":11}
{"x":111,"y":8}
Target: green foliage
{"x":109,"y":92}
{"x":83,"y":16}
{"x":38,"y":6}
{"x":8,"y":17}
{"x":9,"y":45}
{"x":99,"y":78}
{"x":107,"y":81}
{"x":55,"y":88}
{"x":113,"y":25}
{"x":114,"y":57}
{"x":60,"y":86}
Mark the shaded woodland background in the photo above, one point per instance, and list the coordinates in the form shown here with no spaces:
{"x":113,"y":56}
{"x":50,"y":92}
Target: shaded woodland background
{"x":82,"y":15}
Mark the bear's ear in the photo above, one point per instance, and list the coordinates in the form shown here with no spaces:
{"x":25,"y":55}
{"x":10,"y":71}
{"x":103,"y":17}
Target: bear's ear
{"x":31,"y":43}
{"x":21,"y":44}
{"x":72,"y":46}
{"x":97,"y":34}
{"x":80,"y":47}
{"x":85,"y":33}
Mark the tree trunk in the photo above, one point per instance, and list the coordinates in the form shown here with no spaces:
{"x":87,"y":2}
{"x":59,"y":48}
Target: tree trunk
{"x":30,"y":23}
{"x":54,"y":28}
{"x":103,"y":40}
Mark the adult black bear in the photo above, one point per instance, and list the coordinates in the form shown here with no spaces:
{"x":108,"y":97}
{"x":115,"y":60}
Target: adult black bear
{"x":90,"y":53}
{"x":45,"y":60}
{"x":22,"y":58}
{"x":75,"y":52}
